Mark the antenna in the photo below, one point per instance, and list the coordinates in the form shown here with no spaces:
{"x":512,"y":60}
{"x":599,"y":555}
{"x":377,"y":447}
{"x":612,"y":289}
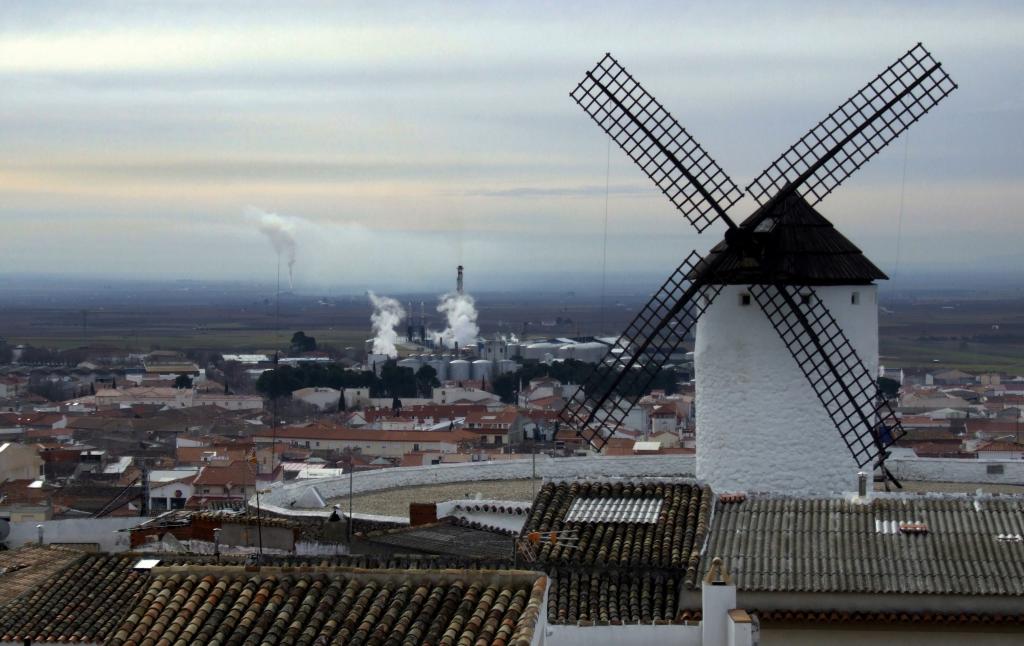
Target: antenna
{"x":756,"y":252}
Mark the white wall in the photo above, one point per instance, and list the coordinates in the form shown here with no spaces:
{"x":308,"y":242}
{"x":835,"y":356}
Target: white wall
{"x":634,"y":635}
{"x":79,"y":530}
{"x":957,"y":470}
{"x":760,"y":425}
{"x":661,"y":466}
{"x":921,"y":635}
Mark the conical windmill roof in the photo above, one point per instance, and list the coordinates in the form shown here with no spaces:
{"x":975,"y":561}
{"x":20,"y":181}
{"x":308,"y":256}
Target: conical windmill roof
{"x":800,"y":247}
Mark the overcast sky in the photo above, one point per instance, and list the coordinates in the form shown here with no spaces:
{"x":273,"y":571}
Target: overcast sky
{"x":404,"y":140}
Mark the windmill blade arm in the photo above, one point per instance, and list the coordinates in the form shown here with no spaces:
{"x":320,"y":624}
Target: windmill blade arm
{"x":633,"y":361}
{"x":652,"y":138}
{"x":857,"y":130}
{"x":838,"y":376}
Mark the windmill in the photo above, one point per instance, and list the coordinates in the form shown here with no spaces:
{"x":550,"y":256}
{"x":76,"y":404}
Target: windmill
{"x":785,"y":258}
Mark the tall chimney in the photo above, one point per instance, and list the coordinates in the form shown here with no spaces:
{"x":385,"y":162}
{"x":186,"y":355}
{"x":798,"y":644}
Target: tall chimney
{"x":458,"y":281}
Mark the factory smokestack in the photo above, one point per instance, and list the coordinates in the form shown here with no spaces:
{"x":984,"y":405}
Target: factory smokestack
{"x":458,"y":282}
{"x":387,"y":314}
{"x":280,"y":231}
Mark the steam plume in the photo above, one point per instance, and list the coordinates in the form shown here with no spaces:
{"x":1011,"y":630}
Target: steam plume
{"x":280,"y":231}
{"x":387,"y":314}
{"x":460,"y":310}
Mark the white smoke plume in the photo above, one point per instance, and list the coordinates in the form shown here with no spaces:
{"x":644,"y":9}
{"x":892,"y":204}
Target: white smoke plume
{"x":280,"y":231}
{"x":460,"y":310}
{"x":387,"y":314}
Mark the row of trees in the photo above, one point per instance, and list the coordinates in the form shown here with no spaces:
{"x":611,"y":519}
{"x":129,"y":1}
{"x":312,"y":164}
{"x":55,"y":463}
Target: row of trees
{"x":572,"y":371}
{"x":394,"y":380}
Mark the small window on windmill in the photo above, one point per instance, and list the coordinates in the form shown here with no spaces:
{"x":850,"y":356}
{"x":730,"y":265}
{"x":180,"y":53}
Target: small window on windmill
{"x":855,"y":298}
{"x":744,"y":299}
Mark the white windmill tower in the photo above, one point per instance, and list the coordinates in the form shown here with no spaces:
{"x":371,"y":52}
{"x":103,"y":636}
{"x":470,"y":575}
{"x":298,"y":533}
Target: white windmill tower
{"x":784,"y":308}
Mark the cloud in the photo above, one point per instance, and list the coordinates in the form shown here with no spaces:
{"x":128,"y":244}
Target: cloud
{"x":563,"y":191}
{"x":412,"y":138}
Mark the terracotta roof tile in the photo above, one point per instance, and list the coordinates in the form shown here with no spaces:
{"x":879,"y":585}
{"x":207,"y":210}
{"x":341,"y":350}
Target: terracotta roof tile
{"x":611,"y":598}
{"x":24,"y":568}
{"x":239,"y":474}
{"x":671,"y":538}
{"x":85,"y":602}
{"x":233,"y":606}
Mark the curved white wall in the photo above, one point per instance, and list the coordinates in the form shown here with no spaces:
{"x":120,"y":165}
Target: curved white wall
{"x":280,"y":497}
{"x":760,"y":426}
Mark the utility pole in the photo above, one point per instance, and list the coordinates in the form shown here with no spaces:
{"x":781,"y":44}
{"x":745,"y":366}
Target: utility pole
{"x":533,"y":480}
{"x":351,"y":476}
{"x":259,"y":507}
{"x":144,"y":507}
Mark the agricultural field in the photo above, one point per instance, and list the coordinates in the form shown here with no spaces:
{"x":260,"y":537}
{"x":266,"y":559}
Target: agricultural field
{"x":972,"y":331}
{"x":969,"y":334}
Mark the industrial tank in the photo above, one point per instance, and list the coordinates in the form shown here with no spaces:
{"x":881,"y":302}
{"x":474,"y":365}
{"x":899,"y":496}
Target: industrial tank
{"x":414,"y":363}
{"x":483,"y":369}
{"x":539,"y":350}
{"x":459,"y":370}
{"x":590,"y":352}
{"x":506,"y":366}
{"x":440,"y":366}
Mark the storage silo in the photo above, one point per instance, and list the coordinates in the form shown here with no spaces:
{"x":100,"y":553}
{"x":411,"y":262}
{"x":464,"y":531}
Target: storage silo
{"x":483,"y":369}
{"x":459,"y":370}
{"x":440,"y":366}
{"x":506,"y":366}
{"x":539,"y":350}
{"x":413,"y":362}
{"x":589,"y":352}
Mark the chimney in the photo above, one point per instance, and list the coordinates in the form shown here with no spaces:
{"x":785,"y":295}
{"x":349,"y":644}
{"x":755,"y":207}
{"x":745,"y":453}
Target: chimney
{"x":862,"y":485}
{"x":458,"y":281}
{"x":718,"y":597}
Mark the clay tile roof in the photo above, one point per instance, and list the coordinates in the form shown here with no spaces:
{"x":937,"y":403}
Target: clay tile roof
{"x":29,"y":566}
{"x":624,"y":525}
{"x":445,"y":538}
{"x":588,"y":597}
{"x":972,"y":545}
{"x":232,"y":606}
{"x":84,"y":603}
{"x":239,"y":473}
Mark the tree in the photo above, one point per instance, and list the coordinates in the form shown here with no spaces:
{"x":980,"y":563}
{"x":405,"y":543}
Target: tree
{"x":302,"y":343}
{"x":890,"y":388}
{"x":504,"y":386}
{"x":426,"y":381}
{"x":183,"y":381}
{"x":396,"y":381}
{"x":282,"y":380}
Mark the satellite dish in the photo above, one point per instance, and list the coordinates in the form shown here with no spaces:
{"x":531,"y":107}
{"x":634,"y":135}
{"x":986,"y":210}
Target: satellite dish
{"x":5,"y":529}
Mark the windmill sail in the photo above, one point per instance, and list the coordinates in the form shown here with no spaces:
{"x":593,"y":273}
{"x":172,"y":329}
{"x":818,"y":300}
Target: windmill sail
{"x":652,"y":138}
{"x":632,"y":363}
{"x":855,"y":131}
{"x":838,"y":376}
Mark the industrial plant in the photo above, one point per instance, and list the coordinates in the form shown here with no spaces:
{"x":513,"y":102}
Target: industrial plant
{"x":458,"y":352}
